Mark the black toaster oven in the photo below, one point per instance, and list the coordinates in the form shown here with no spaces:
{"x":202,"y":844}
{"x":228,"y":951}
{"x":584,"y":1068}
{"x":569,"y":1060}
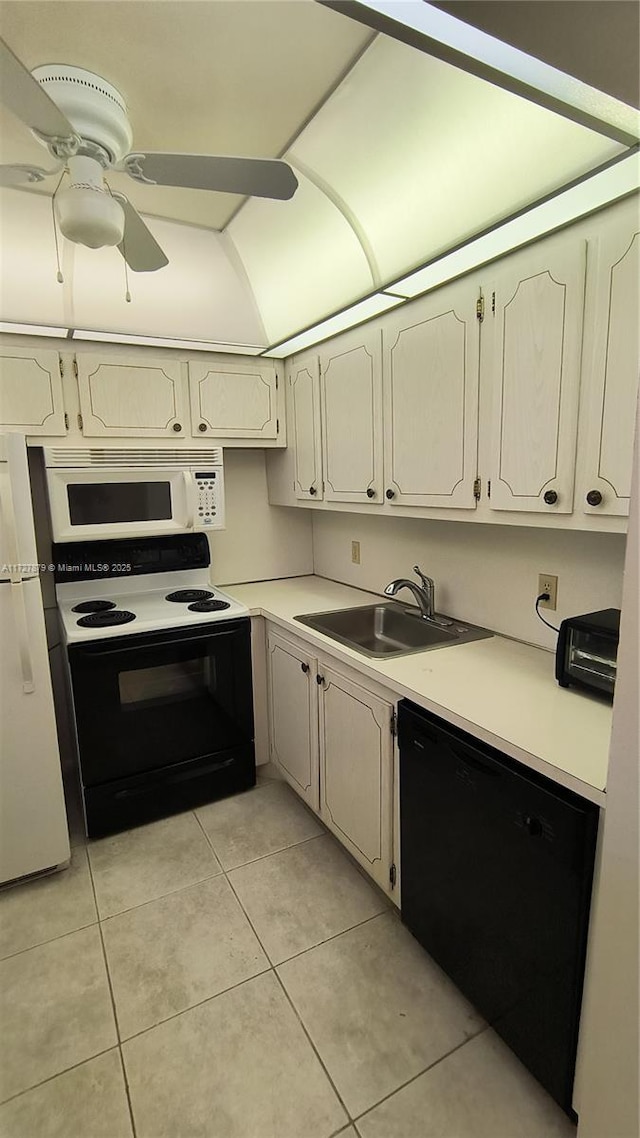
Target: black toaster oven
{"x":587,"y":651}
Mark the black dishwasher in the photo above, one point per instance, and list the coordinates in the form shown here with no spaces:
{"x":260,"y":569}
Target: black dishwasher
{"x":497,"y":865}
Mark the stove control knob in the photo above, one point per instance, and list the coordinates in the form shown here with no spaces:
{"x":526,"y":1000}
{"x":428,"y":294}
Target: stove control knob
{"x":533,"y":825}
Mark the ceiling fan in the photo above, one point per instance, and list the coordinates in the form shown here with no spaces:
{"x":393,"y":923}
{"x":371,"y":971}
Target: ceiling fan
{"x":82,"y":120}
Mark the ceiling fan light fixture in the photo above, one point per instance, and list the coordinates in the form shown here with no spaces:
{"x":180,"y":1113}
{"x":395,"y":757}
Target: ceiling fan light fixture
{"x":90,"y":217}
{"x":87,"y":213}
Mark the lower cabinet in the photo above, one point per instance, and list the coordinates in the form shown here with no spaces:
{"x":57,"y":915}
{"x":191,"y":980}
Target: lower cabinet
{"x":332,"y":741}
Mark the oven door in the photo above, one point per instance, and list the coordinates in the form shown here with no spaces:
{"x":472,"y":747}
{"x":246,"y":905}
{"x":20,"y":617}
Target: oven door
{"x":151,"y":701}
{"x":102,"y":504}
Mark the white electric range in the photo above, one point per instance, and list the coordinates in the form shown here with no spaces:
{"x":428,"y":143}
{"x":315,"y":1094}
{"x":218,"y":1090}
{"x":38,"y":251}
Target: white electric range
{"x":159,"y":664}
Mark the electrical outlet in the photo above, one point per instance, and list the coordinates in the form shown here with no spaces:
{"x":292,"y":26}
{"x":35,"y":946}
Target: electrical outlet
{"x":355,"y":552}
{"x":547,"y":583}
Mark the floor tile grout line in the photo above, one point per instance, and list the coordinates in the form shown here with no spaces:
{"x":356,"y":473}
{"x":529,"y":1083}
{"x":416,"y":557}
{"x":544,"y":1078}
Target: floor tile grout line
{"x":272,"y":853}
{"x":314,"y":1049}
{"x":357,"y":1118}
{"x":162,"y":897}
{"x":50,"y":1078}
{"x":192,"y":1007}
{"x":113,"y":1004}
{"x":327,"y":940}
{"x":51,"y":940}
{"x":127,"y":1090}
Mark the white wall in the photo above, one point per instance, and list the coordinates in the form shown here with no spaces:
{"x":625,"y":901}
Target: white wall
{"x":485,"y":574}
{"x":260,"y":541}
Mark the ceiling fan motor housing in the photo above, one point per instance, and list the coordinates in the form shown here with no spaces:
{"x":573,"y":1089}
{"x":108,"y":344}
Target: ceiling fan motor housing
{"x":95,"y":109}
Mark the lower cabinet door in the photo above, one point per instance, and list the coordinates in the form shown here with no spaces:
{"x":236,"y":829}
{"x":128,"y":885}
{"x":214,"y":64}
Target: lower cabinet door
{"x":356,"y":775}
{"x":293,"y":716}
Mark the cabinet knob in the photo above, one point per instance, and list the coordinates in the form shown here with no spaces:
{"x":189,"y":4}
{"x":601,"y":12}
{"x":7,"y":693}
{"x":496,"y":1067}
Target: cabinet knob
{"x":202,"y":426}
{"x":371,"y":492}
{"x":312,"y":491}
{"x":305,"y":668}
{"x":594,"y":498}
{"x":390,"y":494}
{"x":550,"y":497}
{"x":177,"y":427}
{"x":319,"y":679}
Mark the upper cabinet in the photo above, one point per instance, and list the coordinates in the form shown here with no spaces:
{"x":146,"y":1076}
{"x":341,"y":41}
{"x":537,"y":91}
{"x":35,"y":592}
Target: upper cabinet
{"x":31,"y":398}
{"x":430,"y":352}
{"x":611,"y":365}
{"x":303,"y":379}
{"x":351,"y":400}
{"x":236,"y":399}
{"x":138,"y":397}
{"x":533,"y":369}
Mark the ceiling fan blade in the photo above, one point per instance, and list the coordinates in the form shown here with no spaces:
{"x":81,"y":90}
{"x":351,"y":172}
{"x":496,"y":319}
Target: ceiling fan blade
{"x":22,"y":175}
{"x":23,"y":95}
{"x":253,"y":177}
{"x":138,"y":246}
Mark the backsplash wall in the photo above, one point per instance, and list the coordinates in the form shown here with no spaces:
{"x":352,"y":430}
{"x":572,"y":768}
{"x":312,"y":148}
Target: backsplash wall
{"x":485,"y":574}
{"x":260,"y":541}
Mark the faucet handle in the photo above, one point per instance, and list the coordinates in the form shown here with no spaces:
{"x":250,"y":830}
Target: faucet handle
{"x":427,"y":583}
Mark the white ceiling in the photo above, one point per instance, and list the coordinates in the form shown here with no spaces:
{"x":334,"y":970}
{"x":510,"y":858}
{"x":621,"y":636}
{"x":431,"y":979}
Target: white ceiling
{"x":207,"y":77}
{"x":399,"y":155}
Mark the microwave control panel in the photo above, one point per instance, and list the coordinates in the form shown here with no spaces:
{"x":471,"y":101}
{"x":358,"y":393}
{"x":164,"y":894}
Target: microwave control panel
{"x":209,"y":500}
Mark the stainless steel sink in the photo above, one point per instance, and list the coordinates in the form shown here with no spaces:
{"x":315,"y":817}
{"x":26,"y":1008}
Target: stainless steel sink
{"x":390,"y":629}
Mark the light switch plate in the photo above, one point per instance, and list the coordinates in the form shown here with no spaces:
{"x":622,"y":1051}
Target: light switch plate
{"x":355,"y":552}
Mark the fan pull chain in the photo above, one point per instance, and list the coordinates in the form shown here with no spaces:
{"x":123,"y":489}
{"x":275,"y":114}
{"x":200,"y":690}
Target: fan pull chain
{"x":59,"y":276}
{"x":127,"y":294}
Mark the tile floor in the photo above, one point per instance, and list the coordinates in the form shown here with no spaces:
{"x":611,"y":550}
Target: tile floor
{"x":229,"y":973}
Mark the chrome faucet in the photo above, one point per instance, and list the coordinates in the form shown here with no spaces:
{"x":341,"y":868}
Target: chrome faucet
{"x":423,"y":593}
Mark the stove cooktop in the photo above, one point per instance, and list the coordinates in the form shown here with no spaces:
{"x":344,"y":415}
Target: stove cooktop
{"x":91,"y":610}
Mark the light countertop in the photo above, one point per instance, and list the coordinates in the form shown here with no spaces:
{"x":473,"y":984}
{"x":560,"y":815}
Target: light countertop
{"x":499,"y":690}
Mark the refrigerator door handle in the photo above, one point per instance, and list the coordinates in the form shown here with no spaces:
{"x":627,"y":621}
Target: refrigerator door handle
{"x":22,"y":630}
{"x":8,"y":519}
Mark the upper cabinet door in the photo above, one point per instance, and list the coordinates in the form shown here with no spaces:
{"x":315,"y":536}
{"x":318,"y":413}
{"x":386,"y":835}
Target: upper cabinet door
{"x":610,"y":368}
{"x":139,"y":396}
{"x":430,"y":368}
{"x":235,"y":399}
{"x":304,"y":419}
{"x":534,"y":309}
{"x":351,"y":397}
{"x":31,"y":399}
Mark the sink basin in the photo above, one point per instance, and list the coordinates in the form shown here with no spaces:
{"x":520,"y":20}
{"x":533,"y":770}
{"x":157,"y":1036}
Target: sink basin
{"x":390,"y":629}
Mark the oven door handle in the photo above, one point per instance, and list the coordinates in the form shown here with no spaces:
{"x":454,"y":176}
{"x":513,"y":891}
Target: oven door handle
{"x":93,"y":651}
{"x":190,"y":495}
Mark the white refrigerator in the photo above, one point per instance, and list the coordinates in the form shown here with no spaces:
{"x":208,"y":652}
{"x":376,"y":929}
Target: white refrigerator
{"x":33,"y":822}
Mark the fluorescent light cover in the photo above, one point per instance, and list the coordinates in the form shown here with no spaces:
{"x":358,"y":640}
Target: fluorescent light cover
{"x":453,"y":34}
{"x":348,"y":318}
{"x":594,"y":192}
{"x":32,"y":329}
{"x":166,"y":342}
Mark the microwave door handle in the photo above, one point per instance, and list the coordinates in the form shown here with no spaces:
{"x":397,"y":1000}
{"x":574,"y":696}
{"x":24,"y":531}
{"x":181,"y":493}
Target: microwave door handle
{"x":190,"y":495}
{"x":22,"y":630}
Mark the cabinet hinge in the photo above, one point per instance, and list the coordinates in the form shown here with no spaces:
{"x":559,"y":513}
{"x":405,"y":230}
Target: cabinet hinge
{"x":80,"y":423}
{"x":489,"y":488}
{"x":61,"y":366}
{"x":493,"y":303}
{"x":75,"y":367}
{"x":394,"y":724}
{"x":66,"y":421}
{"x":277,"y":381}
{"x":480,"y":308}
{"x":477,"y":488}
{"x":277,"y":426}
{"x":393,"y":876}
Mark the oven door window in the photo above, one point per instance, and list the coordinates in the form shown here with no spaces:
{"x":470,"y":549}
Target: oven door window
{"x":112,"y":503}
{"x":143,"y":707}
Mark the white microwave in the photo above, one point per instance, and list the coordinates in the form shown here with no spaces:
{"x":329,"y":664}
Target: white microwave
{"x":100,"y":494}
